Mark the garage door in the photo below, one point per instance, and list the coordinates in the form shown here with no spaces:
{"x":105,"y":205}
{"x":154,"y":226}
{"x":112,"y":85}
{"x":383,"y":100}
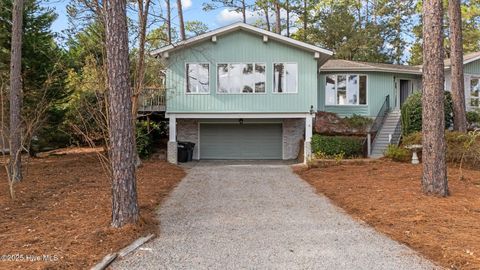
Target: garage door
{"x":240,"y":141}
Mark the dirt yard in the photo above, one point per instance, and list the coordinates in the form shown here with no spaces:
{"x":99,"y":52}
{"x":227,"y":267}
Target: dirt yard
{"x":63,"y":210}
{"x":387,"y":196}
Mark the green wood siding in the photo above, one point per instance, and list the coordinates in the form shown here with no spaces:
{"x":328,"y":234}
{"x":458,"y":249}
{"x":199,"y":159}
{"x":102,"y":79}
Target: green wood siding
{"x":241,"y":47}
{"x":236,"y":141}
{"x":379,"y":85}
{"x":472,"y":68}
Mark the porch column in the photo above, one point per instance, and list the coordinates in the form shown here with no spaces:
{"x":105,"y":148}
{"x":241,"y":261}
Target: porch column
{"x":308,"y":138}
{"x":172,"y":139}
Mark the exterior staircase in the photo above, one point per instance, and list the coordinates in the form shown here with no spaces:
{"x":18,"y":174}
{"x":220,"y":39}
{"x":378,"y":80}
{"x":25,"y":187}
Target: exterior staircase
{"x":389,"y":133}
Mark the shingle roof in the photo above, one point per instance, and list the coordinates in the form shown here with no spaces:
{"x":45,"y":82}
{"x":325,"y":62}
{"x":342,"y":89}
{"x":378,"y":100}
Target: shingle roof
{"x":347,"y":65}
{"x":467,"y":58}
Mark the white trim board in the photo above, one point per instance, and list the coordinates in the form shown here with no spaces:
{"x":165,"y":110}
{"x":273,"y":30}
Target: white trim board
{"x":235,"y":115}
{"x":370,"y":69}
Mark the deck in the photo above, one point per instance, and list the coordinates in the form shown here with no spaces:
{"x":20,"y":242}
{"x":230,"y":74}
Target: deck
{"x":152,"y":100}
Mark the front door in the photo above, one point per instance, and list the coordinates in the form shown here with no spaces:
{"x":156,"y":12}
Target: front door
{"x":405,"y":88}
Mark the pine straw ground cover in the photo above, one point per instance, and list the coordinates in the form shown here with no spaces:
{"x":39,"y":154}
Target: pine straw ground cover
{"x":387,"y":196}
{"x":63,"y":209}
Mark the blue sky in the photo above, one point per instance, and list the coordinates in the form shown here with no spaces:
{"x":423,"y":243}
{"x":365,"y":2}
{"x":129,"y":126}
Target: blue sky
{"x":192,"y":11}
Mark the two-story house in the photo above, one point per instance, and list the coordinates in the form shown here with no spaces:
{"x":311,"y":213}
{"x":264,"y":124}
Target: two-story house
{"x":240,"y":92}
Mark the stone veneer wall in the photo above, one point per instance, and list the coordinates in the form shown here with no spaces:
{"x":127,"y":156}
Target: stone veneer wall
{"x":293,"y":133}
{"x":187,"y":130}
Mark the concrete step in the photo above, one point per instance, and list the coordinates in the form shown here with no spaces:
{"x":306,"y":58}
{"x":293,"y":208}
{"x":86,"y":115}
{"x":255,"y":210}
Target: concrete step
{"x":391,"y":123}
{"x":387,"y":135}
{"x":387,"y":130}
{"x":382,"y":143}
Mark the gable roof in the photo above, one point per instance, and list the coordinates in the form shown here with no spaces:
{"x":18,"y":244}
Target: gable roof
{"x":324,"y":54}
{"x":347,"y":65}
{"x":467,"y":58}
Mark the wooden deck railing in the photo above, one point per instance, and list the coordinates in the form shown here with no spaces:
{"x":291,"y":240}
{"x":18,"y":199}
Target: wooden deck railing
{"x":152,"y":99}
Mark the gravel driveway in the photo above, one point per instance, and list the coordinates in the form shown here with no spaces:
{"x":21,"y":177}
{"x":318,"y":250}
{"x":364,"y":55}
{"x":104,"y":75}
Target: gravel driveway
{"x":262,"y":216}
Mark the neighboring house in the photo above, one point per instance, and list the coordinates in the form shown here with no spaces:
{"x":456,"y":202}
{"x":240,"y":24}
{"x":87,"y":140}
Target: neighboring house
{"x":471,"y":66}
{"x":240,"y":92}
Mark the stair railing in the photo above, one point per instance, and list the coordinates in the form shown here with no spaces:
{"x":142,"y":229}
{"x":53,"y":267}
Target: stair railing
{"x":397,"y":134}
{"x":375,"y":127}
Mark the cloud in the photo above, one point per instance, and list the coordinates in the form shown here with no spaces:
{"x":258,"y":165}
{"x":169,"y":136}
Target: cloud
{"x":227,"y":16}
{"x":230,"y":16}
{"x":186,"y":4}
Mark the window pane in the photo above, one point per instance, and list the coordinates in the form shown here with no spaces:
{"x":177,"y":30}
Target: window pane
{"x":241,"y":78}
{"x":260,"y":78}
{"x":291,"y":78}
{"x":278,"y":78}
{"x":341,"y":90}
{"x":197,"y":78}
{"x":363,"y":90}
{"x":474,"y":92}
{"x":203,"y":78}
{"x":352,"y":89}
{"x":235,"y":77}
{"x":190,"y":77}
{"x":330,"y":89}
{"x":222,"y":78}
{"x":248,"y":78}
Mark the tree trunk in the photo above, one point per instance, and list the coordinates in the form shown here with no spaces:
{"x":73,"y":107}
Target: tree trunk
{"x":143,"y":9}
{"x":122,"y":155}
{"x":434,"y":180}
{"x":458,"y":80}
{"x":169,"y":22}
{"x":267,"y":19}
{"x":287,"y":10}
{"x":181,"y":22}
{"x":15,"y":165}
{"x":305,"y":19}
{"x":278,"y":22}
{"x":244,"y":12}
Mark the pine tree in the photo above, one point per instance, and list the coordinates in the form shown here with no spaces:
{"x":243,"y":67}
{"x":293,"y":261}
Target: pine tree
{"x":122,"y":154}
{"x":434,"y":180}
{"x":15,"y":166}
{"x":180,"y":19}
{"x":458,"y":80}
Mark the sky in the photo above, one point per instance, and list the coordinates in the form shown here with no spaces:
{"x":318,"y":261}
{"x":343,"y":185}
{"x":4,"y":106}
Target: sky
{"x":192,"y":11}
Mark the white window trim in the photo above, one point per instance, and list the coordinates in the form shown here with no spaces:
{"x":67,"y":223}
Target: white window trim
{"x":273,"y":79}
{"x":470,"y":97}
{"x":241,"y":93}
{"x":186,"y":77}
{"x":336,"y":82}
